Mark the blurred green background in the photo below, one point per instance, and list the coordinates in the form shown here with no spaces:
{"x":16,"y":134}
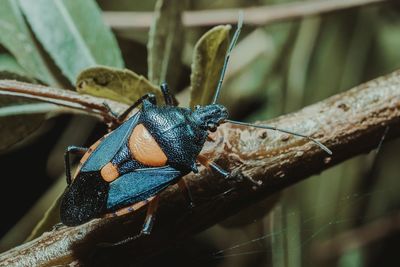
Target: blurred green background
{"x":275,"y":69}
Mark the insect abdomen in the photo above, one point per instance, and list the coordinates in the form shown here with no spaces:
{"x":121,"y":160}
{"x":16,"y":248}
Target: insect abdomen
{"x":84,"y":199}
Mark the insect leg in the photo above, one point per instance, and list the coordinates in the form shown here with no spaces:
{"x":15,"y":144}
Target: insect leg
{"x":75,"y":150}
{"x":109,"y":110}
{"x":186,"y":191}
{"x":169,"y":99}
{"x":210,"y":164}
{"x":238,"y":174}
{"x":146,"y":228}
{"x":150,"y":97}
{"x":150,"y":216}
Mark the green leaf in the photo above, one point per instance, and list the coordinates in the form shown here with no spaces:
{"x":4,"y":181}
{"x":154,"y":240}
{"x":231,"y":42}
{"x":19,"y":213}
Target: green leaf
{"x":41,"y":217}
{"x":14,"y":126}
{"x":16,"y":38}
{"x":8,"y":63}
{"x":208,"y":59}
{"x":165,"y":44}
{"x":52,"y":215}
{"x":73,"y":33}
{"x":352,"y":258}
{"x":10,"y":69}
{"x":117,"y":84}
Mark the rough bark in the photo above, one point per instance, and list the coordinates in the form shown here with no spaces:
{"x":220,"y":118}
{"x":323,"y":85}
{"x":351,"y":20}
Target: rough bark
{"x":349,"y":123}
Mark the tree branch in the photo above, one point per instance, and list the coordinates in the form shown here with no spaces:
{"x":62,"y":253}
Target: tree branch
{"x":88,"y":104}
{"x":349,"y":123}
{"x":259,"y":16}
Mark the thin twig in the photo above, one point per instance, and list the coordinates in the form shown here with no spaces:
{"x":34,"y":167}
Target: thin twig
{"x":349,"y":123}
{"x":258,"y":16}
{"x":91,"y":105}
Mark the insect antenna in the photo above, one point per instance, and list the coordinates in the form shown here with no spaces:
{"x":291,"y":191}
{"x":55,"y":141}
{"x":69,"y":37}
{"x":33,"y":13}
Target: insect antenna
{"x":268,"y":127}
{"x":228,"y":54}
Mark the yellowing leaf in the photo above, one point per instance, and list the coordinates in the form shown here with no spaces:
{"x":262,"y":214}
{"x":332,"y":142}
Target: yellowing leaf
{"x":208,"y":59}
{"x":121,"y":85}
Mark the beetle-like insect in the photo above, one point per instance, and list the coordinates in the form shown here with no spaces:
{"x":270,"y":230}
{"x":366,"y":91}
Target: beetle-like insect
{"x":156,"y":147}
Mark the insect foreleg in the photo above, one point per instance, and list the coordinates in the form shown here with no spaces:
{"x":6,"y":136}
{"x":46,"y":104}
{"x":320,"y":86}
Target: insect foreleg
{"x":210,"y":164}
{"x":236,"y":175}
{"x":186,"y":191}
{"x":239,"y":175}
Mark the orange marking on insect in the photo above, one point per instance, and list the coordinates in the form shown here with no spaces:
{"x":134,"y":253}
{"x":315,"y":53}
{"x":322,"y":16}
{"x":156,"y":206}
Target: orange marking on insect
{"x":129,"y":209}
{"x":87,"y":154}
{"x":109,"y":172}
{"x":145,"y":149}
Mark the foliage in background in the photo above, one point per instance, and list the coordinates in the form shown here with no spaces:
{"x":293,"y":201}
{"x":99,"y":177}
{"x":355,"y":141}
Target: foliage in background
{"x":120,"y":85}
{"x":82,"y":47}
{"x":275,"y":69}
{"x":165,"y":45}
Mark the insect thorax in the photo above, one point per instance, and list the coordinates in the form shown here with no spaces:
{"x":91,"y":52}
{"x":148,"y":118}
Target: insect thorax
{"x":176,"y":132}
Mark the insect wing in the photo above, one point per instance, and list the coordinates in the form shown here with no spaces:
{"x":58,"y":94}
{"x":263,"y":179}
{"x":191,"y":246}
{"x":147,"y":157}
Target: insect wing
{"x":84,"y":199}
{"x":140,"y":185}
{"x":110,"y":145}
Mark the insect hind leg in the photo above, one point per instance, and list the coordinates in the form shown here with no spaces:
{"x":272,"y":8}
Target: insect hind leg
{"x":146,"y":228}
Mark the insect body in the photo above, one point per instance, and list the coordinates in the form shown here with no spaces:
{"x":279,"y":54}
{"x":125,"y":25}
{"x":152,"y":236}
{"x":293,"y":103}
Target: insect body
{"x":148,"y":152}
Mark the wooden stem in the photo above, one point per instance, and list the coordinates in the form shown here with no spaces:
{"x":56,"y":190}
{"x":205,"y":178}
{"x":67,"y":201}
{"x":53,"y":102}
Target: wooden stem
{"x":349,"y":123}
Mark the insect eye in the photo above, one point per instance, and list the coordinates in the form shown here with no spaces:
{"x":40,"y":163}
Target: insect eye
{"x":212,"y":127}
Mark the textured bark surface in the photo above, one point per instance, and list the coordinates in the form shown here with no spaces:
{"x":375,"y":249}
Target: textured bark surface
{"x":350,"y":123}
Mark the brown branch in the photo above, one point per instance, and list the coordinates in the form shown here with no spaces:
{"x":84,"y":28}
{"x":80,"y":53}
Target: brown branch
{"x":258,"y":16}
{"x":90,"y":105}
{"x":349,"y":123}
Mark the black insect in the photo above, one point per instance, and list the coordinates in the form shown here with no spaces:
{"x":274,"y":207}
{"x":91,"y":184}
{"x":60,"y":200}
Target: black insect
{"x":156,"y":147}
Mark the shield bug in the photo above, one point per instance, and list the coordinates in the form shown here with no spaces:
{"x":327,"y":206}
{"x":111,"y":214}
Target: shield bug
{"x":127,"y":168}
